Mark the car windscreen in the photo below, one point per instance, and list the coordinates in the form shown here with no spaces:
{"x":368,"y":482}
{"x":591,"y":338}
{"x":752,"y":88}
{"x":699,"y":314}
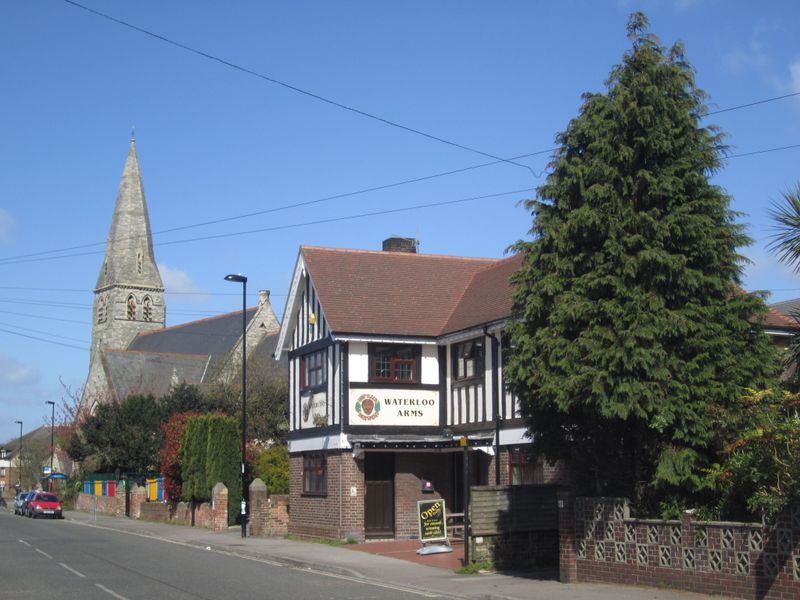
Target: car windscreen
{"x":47,"y":498}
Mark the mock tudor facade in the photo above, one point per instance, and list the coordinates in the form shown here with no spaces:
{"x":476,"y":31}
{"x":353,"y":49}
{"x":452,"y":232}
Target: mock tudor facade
{"x":394,"y":357}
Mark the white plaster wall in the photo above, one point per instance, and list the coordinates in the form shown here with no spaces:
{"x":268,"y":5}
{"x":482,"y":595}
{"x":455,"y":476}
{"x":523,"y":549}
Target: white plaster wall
{"x":359,"y":362}
{"x":430,"y":365}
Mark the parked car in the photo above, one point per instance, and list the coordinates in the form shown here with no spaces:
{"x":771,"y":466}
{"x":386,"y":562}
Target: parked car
{"x":44,"y":504}
{"x":18,"y":502}
{"x":21,"y":502}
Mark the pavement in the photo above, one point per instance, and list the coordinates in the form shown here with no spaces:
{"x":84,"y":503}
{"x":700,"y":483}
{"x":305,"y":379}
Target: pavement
{"x":386,"y":564}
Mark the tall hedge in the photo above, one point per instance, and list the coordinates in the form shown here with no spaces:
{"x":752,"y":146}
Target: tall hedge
{"x":223,"y":460}
{"x":210,"y":454}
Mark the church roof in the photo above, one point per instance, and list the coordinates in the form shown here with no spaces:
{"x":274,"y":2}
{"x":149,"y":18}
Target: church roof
{"x":145,"y":373}
{"x":215,"y":335}
{"x":129,"y":258}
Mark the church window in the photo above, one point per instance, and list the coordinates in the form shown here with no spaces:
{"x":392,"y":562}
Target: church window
{"x":147,"y":309}
{"x":139,"y":262}
{"x":131,"y":308}
{"x":102,"y":309}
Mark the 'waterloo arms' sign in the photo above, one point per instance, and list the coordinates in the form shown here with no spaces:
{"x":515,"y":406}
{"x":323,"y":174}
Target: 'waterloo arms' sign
{"x":394,"y":407}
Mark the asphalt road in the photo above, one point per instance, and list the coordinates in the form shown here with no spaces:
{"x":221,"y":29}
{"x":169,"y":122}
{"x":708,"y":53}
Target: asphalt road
{"x":45,"y":558}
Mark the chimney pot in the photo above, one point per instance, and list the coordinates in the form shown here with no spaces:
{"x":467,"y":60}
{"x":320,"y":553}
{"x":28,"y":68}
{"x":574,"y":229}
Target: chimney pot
{"x":400,"y":244}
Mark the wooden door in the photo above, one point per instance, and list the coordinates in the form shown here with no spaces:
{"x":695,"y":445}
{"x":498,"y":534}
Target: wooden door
{"x":379,"y":501}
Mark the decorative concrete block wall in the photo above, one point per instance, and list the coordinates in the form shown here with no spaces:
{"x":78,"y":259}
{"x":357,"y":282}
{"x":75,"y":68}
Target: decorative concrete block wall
{"x":747,"y":560}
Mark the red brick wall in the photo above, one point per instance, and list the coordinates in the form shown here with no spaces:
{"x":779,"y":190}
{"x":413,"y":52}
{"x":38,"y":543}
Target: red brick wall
{"x":735,"y":559}
{"x":107,"y":505}
{"x":337,"y":515}
{"x":410,"y":469}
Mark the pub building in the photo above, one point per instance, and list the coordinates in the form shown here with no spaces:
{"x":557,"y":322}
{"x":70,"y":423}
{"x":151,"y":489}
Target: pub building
{"x":394,"y":357}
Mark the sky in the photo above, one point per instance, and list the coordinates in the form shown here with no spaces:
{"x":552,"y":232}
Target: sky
{"x":266,"y":118}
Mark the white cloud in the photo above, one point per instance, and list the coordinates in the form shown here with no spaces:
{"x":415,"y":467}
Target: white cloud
{"x":13,"y":372}
{"x":179,"y":282}
{"x":6,"y":222}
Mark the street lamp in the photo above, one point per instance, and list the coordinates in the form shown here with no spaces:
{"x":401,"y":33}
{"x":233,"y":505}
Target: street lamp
{"x":19,"y":458}
{"x":52,"y":443}
{"x":245,"y":492}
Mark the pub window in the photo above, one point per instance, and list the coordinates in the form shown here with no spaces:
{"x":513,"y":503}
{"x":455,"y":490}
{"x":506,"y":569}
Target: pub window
{"x":468,"y":359}
{"x":313,"y":369}
{"x":315,"y":474}
{"x":394,"y":363}
{"x":522,"y":467}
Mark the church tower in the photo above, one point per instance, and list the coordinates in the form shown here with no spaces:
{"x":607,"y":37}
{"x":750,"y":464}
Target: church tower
{"x":129,"y":294}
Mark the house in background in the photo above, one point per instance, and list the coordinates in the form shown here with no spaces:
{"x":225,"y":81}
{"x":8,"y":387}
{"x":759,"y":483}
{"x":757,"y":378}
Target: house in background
{"x":394,"y":357}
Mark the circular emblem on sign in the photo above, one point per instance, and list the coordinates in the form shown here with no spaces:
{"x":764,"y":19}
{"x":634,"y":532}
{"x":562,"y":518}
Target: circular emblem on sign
{"x":368,"y":407}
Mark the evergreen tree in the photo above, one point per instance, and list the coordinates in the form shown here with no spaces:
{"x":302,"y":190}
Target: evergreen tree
{"x":630,"y":324}
{"x":223,"y":459}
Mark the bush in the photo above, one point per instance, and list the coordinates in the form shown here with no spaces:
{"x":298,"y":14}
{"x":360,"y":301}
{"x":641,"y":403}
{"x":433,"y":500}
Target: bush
{"x":272,"y":467}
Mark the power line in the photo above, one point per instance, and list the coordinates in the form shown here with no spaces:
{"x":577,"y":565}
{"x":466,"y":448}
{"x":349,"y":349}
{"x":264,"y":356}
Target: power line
{"x":19,"y":314}
{"x":764,"y":151}
{"x":62,"y":337}
{"x":9,"y":261}
{"x":294,"y":88}
{"x":755,"y":103}
{"x":280,"y":208}
{"x":38,"y":339}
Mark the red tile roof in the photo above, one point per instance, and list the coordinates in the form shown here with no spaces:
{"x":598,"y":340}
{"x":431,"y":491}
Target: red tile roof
{"x":390,"y":293}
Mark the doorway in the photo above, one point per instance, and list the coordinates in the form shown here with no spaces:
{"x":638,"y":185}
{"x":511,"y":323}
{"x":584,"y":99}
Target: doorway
{"x":379,"y":500}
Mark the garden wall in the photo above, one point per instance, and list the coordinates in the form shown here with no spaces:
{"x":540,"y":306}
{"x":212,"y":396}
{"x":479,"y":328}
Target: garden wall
{"x":601,"y":543}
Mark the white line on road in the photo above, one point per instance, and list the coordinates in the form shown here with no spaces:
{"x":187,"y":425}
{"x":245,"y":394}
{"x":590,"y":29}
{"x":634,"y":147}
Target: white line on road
{"x":24,"y":542}
{"x":112,"y":592}
{"x":68,"y":568}
{"x":370,"y":582}
{"x":43,"y":553}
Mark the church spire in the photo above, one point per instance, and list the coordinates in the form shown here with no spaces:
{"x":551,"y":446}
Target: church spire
{"x":129,"y":258}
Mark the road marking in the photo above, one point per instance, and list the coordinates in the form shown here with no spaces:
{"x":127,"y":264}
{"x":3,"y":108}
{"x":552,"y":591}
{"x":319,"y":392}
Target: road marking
{"x":43,"y":553}
{"x":112,"y":592}
{"x":24,"y":542}
{"x":68,"y":568}
{"x":371,"y":582}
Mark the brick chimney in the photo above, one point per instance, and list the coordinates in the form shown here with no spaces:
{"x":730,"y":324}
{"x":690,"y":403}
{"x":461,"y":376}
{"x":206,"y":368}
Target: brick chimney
{"x":400,"y":244}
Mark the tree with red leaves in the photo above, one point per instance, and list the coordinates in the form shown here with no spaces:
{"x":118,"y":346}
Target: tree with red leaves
{"x":171,"y":453}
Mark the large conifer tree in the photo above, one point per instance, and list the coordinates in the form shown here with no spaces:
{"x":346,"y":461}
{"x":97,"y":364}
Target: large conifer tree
{"x":631,"y":326}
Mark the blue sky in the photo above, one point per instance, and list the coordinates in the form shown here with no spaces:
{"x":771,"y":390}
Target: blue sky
{"x":215,"y":142}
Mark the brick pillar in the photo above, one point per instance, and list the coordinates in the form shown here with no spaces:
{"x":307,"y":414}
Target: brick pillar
{"x":259,"y":508}
{"x":567,"y":556}
{"x":219,"y":507}
{"x":138,"y":497}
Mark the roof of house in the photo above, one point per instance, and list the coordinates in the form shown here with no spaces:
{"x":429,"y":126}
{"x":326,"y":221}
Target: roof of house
{"x":407,"y":294}
{"x":215,"y":335}
{"x":782,"y":314}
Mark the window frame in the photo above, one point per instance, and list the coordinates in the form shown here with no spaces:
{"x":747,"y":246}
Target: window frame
{"x":315,"y":474}
{"x":478,"y":360}
{"x":522,"y":461}
{"x":395,"y":363}
{"x":314,"y":363}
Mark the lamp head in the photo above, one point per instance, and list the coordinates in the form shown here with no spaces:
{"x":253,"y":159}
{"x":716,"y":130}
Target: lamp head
{"x":50,"y":402}
{"x":237,"y":278}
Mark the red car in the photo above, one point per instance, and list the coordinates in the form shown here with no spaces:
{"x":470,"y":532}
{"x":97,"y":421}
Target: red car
{"x":44,"y":504}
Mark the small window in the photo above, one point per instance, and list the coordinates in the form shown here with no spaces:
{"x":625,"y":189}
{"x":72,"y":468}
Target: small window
{"x":522,"y":467}
{"x":468,"y":359}
{"x":394,"y":363}
{"x":147,"y":309}
{"x":2,"y":471}
{"x":313,"y":369}
{"x":131,"y":308}
{"x":315,"y":474}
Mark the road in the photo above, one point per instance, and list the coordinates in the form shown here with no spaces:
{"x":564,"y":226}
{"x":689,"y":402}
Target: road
{"x":45,"y":558}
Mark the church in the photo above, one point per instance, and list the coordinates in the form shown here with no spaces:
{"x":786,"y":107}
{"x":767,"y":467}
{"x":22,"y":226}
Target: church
{"x":133,"y":352}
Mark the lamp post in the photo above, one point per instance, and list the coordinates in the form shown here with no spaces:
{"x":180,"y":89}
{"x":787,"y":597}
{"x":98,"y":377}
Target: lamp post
{"x":52,"y":442}
{"x":19,"y":458}
{"x":245,"y":492}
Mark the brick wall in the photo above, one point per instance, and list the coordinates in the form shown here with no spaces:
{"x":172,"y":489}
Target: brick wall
{"x":107,"y":505}
{"x":339,"y":514}
{"x":410,"y":469}
{"x":744,"y":560}
{"x":269,"y":515}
